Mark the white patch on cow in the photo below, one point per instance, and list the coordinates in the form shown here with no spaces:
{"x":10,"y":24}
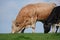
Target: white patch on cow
{"x":57,"y":24}
{"x":53,"y":28}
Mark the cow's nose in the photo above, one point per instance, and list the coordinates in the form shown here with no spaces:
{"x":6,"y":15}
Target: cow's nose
{"x":12,"y":31}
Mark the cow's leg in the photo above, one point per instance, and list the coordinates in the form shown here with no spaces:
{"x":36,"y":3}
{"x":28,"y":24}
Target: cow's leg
{"x":33,"y":22}
{"x":22,"y":30}
{"x":53,"y":28}
{"x":57,"y":29}
{"x":57,"y":26}
{"x":33,"y":28}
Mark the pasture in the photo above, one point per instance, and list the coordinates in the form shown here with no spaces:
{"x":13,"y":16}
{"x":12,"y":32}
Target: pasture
{"x":30,"y":36}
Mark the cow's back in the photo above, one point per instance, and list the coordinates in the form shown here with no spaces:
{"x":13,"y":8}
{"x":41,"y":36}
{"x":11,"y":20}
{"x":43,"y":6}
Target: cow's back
{"x":40,"y":10}
{"x":44,"y":10}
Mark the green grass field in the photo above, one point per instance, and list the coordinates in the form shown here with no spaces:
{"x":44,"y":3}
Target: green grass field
{"x":30,"y":36}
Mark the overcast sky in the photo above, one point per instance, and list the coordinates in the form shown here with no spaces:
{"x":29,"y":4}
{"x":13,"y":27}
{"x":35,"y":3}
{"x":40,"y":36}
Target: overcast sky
{"x":9,"y":10}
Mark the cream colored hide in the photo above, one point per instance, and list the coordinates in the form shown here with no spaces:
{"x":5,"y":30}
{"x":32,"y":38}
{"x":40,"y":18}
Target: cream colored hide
{"x":54,"y":27}
{"x":29,"y":14}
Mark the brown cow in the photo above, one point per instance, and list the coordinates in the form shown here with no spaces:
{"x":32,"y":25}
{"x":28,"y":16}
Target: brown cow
{"x":30,"y":14}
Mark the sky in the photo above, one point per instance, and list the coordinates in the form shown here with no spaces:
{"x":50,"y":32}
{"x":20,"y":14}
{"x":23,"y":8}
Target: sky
{"x":9,"y":10}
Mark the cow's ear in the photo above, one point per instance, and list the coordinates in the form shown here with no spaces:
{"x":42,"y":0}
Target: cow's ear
{"x":13,"y":23}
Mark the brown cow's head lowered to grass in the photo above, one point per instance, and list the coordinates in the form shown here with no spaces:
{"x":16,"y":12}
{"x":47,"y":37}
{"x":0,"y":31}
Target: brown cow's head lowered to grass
{"x":31,"y":13}
{"x":15,"y":27}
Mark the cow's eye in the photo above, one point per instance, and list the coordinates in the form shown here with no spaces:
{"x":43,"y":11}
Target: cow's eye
{"x":17,"y":25}
{"x":26,"y":20}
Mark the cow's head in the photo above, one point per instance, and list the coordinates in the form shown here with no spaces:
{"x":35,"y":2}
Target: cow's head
{"x":16,"y":27}
{"x":47,"y":27}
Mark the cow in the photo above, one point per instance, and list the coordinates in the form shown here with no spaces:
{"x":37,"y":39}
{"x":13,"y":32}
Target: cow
{"x":53,"y":19}
{"x":30,"y":14}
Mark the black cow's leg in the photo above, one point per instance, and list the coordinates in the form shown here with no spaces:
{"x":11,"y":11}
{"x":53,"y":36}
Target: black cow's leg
{"x":57,"y":29}
{"x":23,"y":30}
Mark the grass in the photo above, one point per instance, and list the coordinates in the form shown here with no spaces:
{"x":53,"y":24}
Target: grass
{"x":30,"y":36}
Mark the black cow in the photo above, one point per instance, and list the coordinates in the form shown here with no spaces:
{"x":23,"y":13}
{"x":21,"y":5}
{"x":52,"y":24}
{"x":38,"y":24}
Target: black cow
{"x":54,"y":18}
